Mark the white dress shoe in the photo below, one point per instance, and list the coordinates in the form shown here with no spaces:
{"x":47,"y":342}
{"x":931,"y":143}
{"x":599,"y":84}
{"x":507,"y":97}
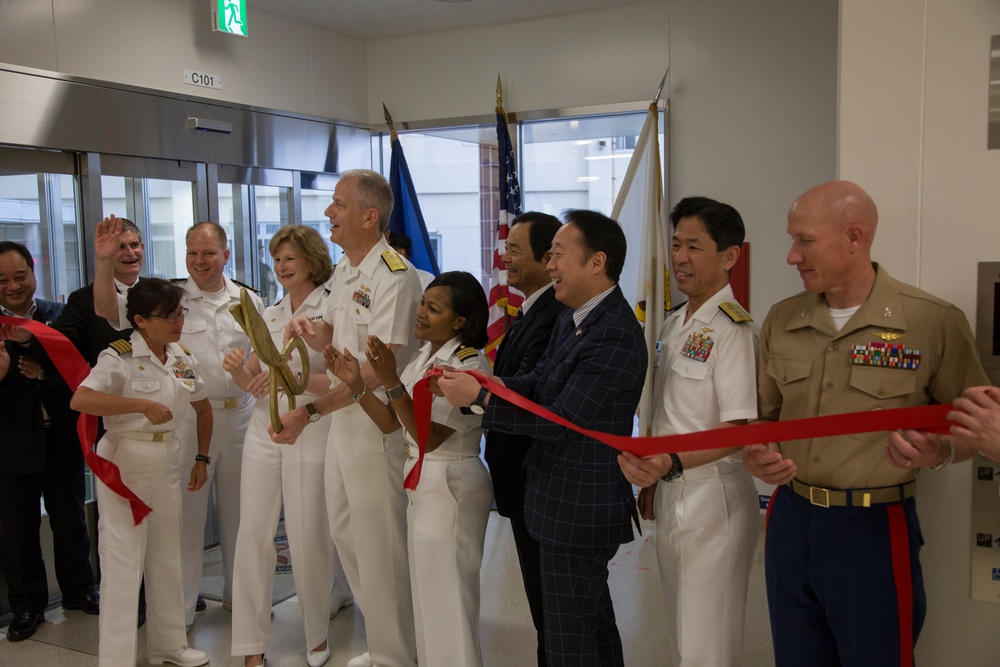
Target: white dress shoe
{"x":343,"y":603}
{"x":363,"y":660}
{"x":318,"y":658}
{"x":185,"y":656}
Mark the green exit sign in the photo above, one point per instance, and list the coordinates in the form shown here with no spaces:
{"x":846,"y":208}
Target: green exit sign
{"x":230,"y":16}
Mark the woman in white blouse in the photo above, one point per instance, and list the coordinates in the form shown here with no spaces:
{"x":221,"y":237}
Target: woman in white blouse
{"x":275,"y":475}
{"x":141,"y":387}
{"x":448,"y":511}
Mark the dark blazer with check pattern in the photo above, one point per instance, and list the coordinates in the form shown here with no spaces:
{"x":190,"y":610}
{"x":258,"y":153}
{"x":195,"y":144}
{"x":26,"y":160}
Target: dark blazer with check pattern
{"x":520,"y":350}
{"x":591,"y":375}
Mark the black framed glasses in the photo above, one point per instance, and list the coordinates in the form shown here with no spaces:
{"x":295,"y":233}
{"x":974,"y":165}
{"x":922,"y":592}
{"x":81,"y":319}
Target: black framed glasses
{"x":174,"y":317}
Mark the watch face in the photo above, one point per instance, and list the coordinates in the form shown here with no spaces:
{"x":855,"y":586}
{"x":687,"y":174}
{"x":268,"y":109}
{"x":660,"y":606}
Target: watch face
{"x":477,"y":409}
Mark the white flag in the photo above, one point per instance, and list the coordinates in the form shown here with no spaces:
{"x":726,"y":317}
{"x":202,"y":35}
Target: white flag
{"x":639,"y":211}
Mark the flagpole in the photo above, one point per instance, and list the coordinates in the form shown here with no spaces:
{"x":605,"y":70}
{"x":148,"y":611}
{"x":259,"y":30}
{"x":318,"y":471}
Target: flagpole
{"x":388,"y":121}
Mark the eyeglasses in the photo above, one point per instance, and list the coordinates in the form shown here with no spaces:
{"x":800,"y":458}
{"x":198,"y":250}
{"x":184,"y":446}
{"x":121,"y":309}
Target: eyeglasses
{"x":172,"y":318}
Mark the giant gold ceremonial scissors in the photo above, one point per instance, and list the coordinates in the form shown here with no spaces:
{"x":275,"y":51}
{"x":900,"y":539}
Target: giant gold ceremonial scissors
{"x":282,"y":376}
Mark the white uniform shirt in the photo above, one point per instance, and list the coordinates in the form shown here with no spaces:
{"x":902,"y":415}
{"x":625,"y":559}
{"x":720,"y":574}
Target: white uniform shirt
{"x":139,"y":374}
{"x":464,"y":442}
{"x":695,"y":388}
{"x":372,"y":300}
{"x":210,"y":330}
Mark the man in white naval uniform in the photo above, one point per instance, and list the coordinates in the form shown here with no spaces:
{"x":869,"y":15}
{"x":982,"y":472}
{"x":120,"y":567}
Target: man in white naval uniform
{"x":374,"y":292}
{"x":209,"y":331}
{"x":704,"y":503}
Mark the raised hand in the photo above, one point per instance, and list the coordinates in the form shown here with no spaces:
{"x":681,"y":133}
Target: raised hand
{"x":382,"y":361}
{"x":342,"y":364}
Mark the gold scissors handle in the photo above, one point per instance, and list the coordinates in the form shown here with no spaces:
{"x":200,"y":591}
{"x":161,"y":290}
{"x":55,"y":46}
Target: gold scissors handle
{"x":281,"y":376}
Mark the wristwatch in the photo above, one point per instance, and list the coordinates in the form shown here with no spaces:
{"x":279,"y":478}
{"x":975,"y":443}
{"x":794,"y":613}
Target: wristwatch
{"x":676,"y":468}
{"x":395,"y":392}
{"x":314,"y":415}
{"x":478,"y":406}
{"x":204,"y":458}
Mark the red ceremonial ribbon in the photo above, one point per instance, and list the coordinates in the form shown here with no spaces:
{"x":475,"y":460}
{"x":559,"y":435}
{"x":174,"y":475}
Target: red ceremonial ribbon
{"x":929,"y":418}
{"x":74,"y":369}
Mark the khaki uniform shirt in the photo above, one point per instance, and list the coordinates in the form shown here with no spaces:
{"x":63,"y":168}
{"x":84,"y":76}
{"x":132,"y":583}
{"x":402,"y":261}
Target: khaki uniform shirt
{"x":806,"y":370}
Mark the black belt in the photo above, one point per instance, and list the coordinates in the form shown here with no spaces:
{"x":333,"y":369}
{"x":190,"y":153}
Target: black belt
{"x":882,"y":495}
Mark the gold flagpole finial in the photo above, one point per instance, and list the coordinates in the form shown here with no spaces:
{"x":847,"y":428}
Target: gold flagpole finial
{"x":499,"y":95}
{"x":663,"y":81}
{"x":388,"y":121}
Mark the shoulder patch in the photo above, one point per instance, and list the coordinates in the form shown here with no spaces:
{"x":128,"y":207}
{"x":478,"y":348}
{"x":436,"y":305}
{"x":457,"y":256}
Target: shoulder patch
{"x":393,"y":261}
{"x":735,"y":312}
{"x":465,"y":352}
{"x":121,"y":346}
{"x":236,"y":282}
{"x":186,"y":351}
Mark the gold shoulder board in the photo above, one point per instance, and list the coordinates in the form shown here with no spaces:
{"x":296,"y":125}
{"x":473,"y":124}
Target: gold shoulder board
{"x":464,"y":353}
{"x":735,"y":312}
{"x":121,"y":346}
{"x":393,"y":261}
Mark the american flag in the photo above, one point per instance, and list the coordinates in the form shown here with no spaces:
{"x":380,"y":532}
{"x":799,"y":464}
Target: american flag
{"x":503,"y":302}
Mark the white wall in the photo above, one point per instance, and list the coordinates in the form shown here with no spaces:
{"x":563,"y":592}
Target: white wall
{"x":912,"y":127}
{"x":149,"y":43}
{"x":752,"y":93}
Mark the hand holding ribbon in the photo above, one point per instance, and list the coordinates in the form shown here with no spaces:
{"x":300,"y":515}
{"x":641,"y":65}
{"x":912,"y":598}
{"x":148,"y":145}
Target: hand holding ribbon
{"x":929,"y":418}
{"x":73,"y":369}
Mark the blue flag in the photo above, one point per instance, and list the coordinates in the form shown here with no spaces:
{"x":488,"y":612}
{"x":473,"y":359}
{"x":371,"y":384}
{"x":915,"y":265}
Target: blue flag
{"x":406,"y":216}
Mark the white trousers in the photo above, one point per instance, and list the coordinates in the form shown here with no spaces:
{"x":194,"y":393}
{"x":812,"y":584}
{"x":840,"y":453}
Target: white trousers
{"x":446,"y":531}
{"x":228,"y":430}
{"x":289,"y":475}
{"x":706,"y":534}
{"x":366,"y":505}
{"x":128,"y":551}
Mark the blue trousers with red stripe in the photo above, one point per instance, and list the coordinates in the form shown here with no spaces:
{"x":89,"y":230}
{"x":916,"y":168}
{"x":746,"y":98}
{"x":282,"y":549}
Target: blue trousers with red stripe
{"x":844,"y":584}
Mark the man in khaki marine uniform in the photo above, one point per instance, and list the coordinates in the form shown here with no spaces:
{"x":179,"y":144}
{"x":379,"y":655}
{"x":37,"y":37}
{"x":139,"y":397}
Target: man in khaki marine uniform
{"x":842,"y":564}
{"x":373,"y":292}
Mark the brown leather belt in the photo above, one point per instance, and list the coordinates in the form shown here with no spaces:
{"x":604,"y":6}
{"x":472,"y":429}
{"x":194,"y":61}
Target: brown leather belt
{"x":882,"y":495}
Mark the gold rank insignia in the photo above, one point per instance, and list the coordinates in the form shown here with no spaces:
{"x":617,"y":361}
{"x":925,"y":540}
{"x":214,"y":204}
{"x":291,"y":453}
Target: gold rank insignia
{"x":889,"y":335}
{"x":121,"y":346}
{"x":186,"y":351}
{"x":464,"y":352}
{"x":393,"y":261}
{"x":735,"y":312}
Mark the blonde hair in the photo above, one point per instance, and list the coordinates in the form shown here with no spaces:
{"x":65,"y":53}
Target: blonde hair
{"x":309,"y":244}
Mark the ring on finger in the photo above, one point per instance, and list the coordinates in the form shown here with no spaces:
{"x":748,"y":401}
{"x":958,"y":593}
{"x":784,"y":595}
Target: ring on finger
{"x":375,"y":357}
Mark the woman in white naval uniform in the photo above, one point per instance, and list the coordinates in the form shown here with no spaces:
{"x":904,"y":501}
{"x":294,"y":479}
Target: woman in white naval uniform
{"x":142,"y":387}
{"x":290,"y":474}
{"x":448,"y":511}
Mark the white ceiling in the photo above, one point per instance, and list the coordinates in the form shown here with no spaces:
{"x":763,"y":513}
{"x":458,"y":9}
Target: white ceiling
{"x":368,"y":19}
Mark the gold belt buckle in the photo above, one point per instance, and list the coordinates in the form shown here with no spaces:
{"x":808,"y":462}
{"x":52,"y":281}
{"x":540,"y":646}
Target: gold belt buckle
{"x":159,"y":436}
{"x":819,"y":497}
{"x":230,"y":403}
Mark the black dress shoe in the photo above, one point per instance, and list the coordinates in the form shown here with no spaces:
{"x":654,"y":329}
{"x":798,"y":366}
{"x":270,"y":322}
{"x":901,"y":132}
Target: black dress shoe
{"x":88,"y":604}
{"x":200,"y":605}
{"x":142,"y":614}
{"x":24,"y":625}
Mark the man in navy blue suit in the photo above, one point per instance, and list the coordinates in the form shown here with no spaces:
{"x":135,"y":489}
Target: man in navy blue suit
{"x":577,"y":503}
{"x":527,"y":254}
{"x":40,"y":457}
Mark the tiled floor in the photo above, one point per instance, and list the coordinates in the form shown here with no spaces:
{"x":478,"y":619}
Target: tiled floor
{"x":70,"y":638}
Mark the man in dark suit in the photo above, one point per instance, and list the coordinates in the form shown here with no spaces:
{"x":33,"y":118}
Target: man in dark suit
{"x":577,"y":503}
{"x":40,"y":457}
{"x":526,"y":255}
